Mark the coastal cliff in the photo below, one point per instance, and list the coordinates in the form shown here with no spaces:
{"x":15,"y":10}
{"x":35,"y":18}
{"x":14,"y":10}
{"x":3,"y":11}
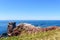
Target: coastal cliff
{"x":25,"y":31}
{"x":14,"y":30}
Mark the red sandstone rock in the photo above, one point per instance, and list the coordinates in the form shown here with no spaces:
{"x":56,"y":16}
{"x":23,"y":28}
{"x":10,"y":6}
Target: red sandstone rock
{"x":28,"y":28}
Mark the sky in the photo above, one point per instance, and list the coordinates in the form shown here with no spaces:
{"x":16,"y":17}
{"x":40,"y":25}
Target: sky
{"x":29,"y":9}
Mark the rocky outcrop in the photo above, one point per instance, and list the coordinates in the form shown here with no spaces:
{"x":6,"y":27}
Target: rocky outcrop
{"x":22,"y":27}
{"x":14,"y":30}
{"x":27,"y":27}
{"x":11,"y":26}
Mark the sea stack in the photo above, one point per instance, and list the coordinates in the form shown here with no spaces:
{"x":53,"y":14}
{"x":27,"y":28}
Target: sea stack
{"x":11,"y":26}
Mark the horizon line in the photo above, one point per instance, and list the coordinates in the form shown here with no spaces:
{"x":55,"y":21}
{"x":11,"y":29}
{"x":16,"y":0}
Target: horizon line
{"x":40,"y":19}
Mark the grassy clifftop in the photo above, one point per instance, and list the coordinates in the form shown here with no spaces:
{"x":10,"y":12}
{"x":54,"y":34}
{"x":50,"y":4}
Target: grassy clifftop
{"x":49,"y":35}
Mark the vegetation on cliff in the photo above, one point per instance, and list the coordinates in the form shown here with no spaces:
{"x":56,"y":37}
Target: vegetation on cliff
{"x":49,"y":35}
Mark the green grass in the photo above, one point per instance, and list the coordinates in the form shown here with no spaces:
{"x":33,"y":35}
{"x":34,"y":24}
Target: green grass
{"x":50,"y":35}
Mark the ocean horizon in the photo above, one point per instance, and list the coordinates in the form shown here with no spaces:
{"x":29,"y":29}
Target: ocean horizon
{"x":37,"y":23}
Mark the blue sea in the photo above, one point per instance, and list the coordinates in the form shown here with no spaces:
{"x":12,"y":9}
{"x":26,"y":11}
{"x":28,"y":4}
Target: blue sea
{"x":41,"y":23}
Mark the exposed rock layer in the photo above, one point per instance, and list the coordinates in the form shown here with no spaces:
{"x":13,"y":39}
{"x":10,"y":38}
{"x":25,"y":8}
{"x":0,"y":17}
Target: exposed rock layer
{"x":11,"y":26}
{"x":14,"y":31}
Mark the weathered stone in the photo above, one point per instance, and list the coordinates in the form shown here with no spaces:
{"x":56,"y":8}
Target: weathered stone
{"x":17,"y":30}
{"x":11,"y":26}
{"x":26,"y":27}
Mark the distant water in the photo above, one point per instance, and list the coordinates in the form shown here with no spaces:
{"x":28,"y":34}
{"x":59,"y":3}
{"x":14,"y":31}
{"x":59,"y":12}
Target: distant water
{"x":41,"y":23}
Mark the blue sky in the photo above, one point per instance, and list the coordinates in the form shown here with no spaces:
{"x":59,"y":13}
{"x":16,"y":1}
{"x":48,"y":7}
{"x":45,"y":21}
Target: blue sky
{"x":29,"y":9}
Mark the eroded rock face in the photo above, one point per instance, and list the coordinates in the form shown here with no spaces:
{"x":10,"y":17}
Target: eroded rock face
{"x":27,"y":28}
{"x":24,"y":27}
{"x":32,"y":29}
{"x":11,"y":26}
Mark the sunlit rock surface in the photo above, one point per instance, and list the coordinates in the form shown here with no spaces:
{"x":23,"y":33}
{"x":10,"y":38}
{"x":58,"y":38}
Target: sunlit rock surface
{"x":29,"y":28}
